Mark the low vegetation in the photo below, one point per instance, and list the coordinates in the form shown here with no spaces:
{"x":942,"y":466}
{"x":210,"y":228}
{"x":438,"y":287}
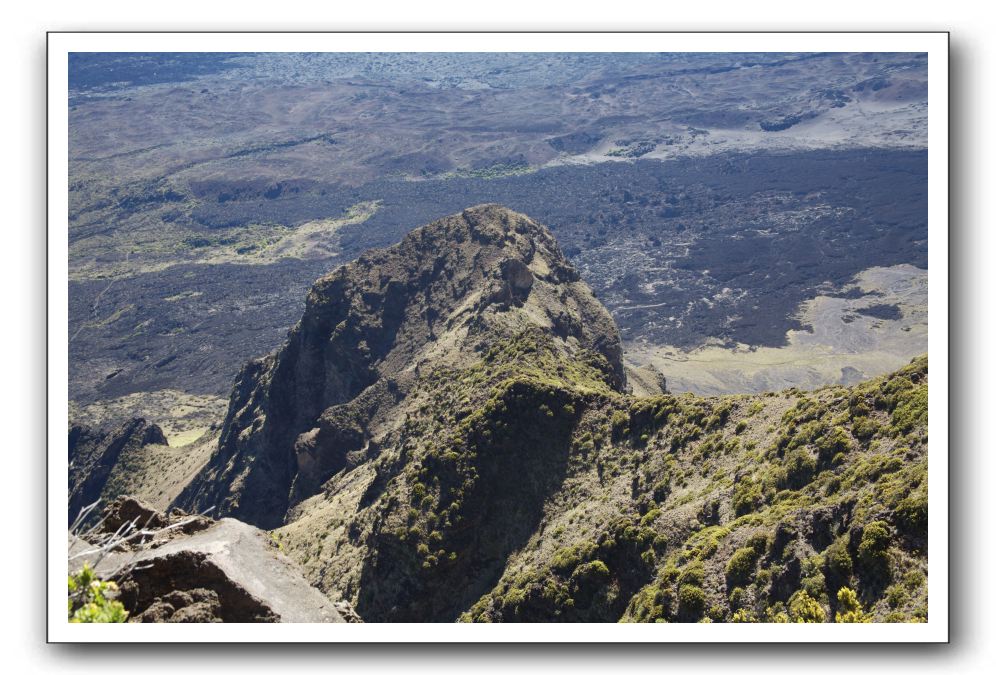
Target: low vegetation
{"x":809,"y":512}
{"x":90,"y":599}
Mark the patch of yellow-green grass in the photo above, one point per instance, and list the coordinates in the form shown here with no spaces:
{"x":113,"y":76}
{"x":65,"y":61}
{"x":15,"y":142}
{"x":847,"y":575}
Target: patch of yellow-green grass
{"x":183,"y":417}
{"x":840,"y":346}
{"x":185,"y":295}
{"x":157,"y":246}
{"x":182,"y":438}
{"x":114,"y":316}
{"x":158,"y":473}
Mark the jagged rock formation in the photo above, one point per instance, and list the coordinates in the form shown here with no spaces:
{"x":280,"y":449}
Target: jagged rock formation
{"x":371,"y":328}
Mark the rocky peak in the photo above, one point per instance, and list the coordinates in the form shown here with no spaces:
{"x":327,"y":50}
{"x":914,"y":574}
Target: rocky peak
{"x":370,"y":331}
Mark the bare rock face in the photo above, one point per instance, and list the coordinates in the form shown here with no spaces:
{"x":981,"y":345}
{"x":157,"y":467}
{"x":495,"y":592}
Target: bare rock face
{"x":518,"y":281}
{"x":370,"y":330}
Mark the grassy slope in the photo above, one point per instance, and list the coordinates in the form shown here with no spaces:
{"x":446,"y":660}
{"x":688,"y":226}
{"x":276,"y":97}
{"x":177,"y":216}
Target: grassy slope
{"x":156,"y":474}
{"x":524,"y":489}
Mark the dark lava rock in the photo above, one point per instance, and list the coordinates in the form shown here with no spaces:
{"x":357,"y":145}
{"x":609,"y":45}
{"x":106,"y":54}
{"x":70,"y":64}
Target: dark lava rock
{"x":785,"y":582}
{"x":130,"y":509}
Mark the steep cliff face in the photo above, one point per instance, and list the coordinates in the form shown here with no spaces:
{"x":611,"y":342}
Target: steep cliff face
{"x":370,"y":332}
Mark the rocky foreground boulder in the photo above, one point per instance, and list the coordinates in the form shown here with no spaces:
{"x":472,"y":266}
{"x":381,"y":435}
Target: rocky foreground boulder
{"x":195,"y":569}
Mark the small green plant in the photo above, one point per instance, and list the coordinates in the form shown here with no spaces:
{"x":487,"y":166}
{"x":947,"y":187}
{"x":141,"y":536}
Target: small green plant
{"x":911,"y":411}
{"x":595,"y":570}
{"x":569,"y":557}
{"x":803,"y":608}
{"x":743,"y":615}
{"x":740,"y":567}
{"x":839,"y":565}
{"x":799,"y":469}
{"x":693,"y":575}
{"x":896,"y":596}
{"x":88,"y":600}
{"x":911,"y":514}
{"x":746,"y":497}
{"x":619,"y":419}
{"x":849,"y":608}
{"x":649,"y":517}
{"x":691,"y":600}
{"x":874,"y":546}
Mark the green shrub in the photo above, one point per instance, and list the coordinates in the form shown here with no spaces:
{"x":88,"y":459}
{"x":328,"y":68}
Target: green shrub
{"x":799,"y":469}
{"x":864,"y":428}
{"x":834,"y":443}
{"x":914,"y":579}
{"x":805,"y":609}
{"x":896,"y":596}
{"x":743,"y":615}
{"x":874,"y":544}
{"x":759,"y":542}
{"x":88,"y":601}
{"x":746,"y":497}
{"x":911,"y":411}
{"x":740,"y":567}
{"x":911,"y":514}
{"x":693,"y":575}
{"x":619,"y":419}
{"x":815,"y":585}
{"x":691,"y":600}
{"x":849,"y":608}
{"x":569,"y":557}
{"x":648,"y":605}
{"x":650,"y":517}
{"x":839,"y":565}
{"x":813,"y":580}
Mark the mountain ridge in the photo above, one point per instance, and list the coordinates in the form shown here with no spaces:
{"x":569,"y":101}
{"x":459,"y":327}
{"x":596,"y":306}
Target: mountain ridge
{"x":369,"y":328}
{"x":447,"y":434}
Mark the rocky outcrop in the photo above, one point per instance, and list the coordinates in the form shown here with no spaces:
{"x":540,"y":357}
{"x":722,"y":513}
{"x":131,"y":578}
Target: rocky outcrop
{"x":94,"y":453}
{"x":370,"y":331}
{"x":217,"y":571}
{"x":128,"y":509}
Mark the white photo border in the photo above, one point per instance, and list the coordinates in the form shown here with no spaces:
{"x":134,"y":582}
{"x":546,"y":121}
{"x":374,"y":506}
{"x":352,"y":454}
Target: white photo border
{"x":935,"y":44}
